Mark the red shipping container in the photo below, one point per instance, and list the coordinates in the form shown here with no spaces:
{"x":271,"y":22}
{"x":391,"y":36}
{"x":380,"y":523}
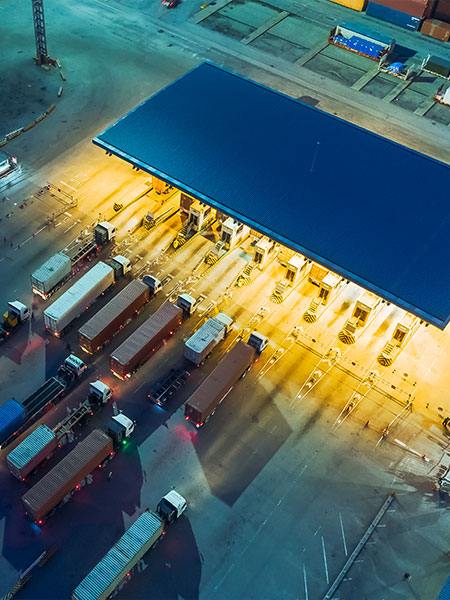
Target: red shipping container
{"x":436,"y":29}
{"x":140,"y":345}
{"x":49,"y":491}
{"x":442,"y":10}
{"x":416,"y":8}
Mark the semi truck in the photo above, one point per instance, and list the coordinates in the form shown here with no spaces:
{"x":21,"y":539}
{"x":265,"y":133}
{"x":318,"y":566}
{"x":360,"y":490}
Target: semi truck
{"x":109,"y":320}
{"x":16,"y":314}
{"x":67,"y":477}
{"x":43,"y":441}
{"x":140,"y":345}
{"x":60,"y":267}
{"x":61,"y":314}
{"x":200,"y":345}
{"x":16,"y":416}
{"x":218,"y":384}
{"x":117,"y":566}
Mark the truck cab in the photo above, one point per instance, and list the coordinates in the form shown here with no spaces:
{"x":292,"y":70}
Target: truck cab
{"x":75,"y":364}
{"x":104,"y":232}
{"x":99,"y":393}
{"x":257,"y":341}
{"x":187,"y":303}
{"x":121,"y":265}
{"x":71,"y":368}
{"x":153,"y":283}
{"x":16,"y":314}
{"x":120,"y":429}
{"x":171,"y":506}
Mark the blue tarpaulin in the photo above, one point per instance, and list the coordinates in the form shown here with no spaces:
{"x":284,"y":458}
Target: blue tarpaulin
{"x":445,"y":592}
{"x":369,"y":209}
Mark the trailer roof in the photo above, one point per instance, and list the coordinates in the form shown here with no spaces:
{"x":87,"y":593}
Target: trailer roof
{"x":105,"y":576}
{"x":31,"y":446}
{"x":114,"y":309}
{"x":145,"y":333}
{"x":363,"y":206}
{"x":77,"y":291}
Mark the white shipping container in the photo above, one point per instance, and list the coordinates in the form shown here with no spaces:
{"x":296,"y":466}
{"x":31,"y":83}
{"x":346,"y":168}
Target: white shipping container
{"x":48,"y":275}
{"x":199,"y":345}
{"x":72,"y":303}
{"x":123,"y":556}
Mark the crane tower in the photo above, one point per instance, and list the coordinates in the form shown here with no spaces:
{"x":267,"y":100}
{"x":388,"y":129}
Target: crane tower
{"x":42,"y":57}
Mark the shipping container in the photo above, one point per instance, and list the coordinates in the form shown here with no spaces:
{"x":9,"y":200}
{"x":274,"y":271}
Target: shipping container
{"x":436,"y":29}
{"x":442,"y":10}
{"x":137,"y":348}
{"x":47,"y":277}
{"x":415,"y":8}
{"x":210,"y":393}
{"x":31,"y":452}
{"x":203,"y":341}
{"x":104,"y":325}
{"x":63,"y":479}
{"x":354,"y":4}
{"x":77,"y":299}
{"x":120,"y":560}
{"x":437,"y":66}
{"x":393,"y":16}
{"x":12,"y":416}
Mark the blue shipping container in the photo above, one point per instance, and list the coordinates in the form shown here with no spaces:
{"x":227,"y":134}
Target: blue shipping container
{"x":393,"y":16}
{"x":445,"y":592}
{"x":12,"y":416}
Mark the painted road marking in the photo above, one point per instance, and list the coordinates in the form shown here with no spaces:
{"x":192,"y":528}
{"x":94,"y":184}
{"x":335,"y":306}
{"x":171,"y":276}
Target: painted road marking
{"x":252,"y":539}
{"x":325,"y":561}
{"x":343,"y":535}
{"x":305,"y":582}
{"x":72,"y":226}
{"x":69,"y":186}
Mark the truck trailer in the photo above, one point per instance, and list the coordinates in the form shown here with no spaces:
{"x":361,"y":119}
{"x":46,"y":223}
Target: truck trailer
{"x":61,"y":482}
{"x":118,"y":564}
{"x":200,"y":345}
{"x":60,"y":267}
{"x":140,"y":345}
{"x":218,"y":384}
{"x":16,"y":416}
{"x":43,"y":441}
{"x":59,"y":315}
{"x":104,"y":325}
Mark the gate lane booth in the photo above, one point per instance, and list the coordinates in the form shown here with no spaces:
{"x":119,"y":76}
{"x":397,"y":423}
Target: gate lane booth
{"x":367,"y":208}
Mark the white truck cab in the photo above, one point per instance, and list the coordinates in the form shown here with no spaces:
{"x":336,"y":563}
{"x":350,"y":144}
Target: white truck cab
{"x":171,"y":506}
{"x":121,"y":265}
{"x":258,"y":341}
{"x":75,"y":364}
{"x":187,"y":303}
{"x":127,"y":424}
{"x":99,"y":392}
{"x":17,"y":311}
{"x":153,"y":283}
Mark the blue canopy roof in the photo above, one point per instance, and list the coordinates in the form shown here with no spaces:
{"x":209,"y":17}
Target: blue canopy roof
{"x":365,"y":207}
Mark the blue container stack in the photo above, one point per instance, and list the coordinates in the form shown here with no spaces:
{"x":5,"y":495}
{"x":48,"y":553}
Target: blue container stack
{"x":359,"y":45}
{"x":386,"y":13}
{"x":12,"y":416}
